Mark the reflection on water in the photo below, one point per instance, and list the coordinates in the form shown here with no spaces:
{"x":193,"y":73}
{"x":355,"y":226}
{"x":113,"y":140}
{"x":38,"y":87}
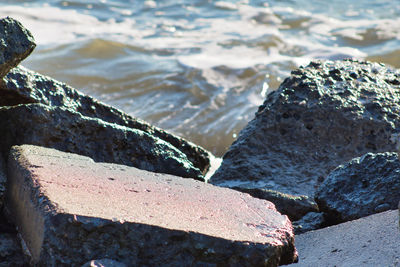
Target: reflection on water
{"x":198,"y":68}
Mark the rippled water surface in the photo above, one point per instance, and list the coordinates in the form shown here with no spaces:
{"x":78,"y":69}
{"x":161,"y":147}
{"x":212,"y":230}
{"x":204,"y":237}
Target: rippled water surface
{"x":198,"y":68}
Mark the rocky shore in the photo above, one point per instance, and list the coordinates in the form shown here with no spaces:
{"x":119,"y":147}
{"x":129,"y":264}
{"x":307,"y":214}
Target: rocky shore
{"x":84,"y":184}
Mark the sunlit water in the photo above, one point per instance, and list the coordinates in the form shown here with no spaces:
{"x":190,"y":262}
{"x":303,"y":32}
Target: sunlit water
{"x":198,"y":68}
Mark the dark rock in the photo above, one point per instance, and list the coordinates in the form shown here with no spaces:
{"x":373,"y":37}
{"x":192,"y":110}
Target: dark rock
{"x":320,"y":117}
{"x":70,"y":210}
{"x":69,"y":131}
{"x":11,"y":252}
{"x":369,"y":241}
{"x":361,"y":187}
{"x":104,"y":263}
{"x":16,"y":43}
{"x":294,"y":207}
{"x":310,"y":221}
{"x":23,"y":86}
{"x":3,"y":180}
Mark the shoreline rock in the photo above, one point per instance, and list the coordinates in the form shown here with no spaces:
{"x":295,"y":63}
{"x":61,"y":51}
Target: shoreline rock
{"x":69,"y":131}
{"x":321,"y":116}
{"x":70,"y":210}
{"x":16,"y":44}
{"x":361,"y":187}
{"x":23,"y":86}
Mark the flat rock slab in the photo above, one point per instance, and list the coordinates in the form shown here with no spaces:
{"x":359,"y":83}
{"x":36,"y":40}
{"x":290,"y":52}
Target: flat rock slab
{"x":71,"y":210}
{"x":369,"y":241}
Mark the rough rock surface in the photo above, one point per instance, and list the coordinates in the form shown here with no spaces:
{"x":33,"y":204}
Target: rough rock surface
{"x":70,"y":210}
{"x":369,"y":241}
{"x":69,"y":131}
{"x":16,"y":43}
{"x":23,"y":86}
{"x":10,"y":251}
{"x":310,"y":221}
{"x":361,"y":187}
{"x":294,"y":207}
{"x":104,"y":263}
{"x":3,"y":180}
{"x":320,"y":117}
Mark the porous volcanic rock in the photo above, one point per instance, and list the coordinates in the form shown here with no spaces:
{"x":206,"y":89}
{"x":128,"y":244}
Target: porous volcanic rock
{"x":16,"y":43}
{"x":361,"y":187}
{"x":23,"y":86}
{"x":66,"y":130}
{"x":70,"y":210}
{"x":321,"y":116}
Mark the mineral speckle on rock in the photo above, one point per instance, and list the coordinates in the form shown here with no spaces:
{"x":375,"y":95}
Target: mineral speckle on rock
{"x":16,"y":43}
{"x":323,"y":115}
{"x":366,"y":185}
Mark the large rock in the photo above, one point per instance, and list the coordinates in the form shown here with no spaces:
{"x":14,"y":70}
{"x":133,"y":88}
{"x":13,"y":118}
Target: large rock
{"x":369,"y":241}
{"x":69,"y":131}
{"x":16,"y":43}
{"x":23,"y":86}
{"x":70,"y":210}
{"x":361,"y":187}
{"x":321,"y":116}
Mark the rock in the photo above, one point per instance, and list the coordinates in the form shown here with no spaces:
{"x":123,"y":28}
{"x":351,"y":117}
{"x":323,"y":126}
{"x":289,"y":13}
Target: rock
{"x":3,"y":180}
{"x":104,"y":263}
{"x":320,"y":117}
{"x":295,"y":207}
{"x":69,"y":131}
{"x":23,"y":86}
{"x":310,"y":221}
{"x":16,"y":43}
{"x":370,"y":241}
{"x":10,"y":251}
{"x":69,"y":210}
{"x":361,"y":187}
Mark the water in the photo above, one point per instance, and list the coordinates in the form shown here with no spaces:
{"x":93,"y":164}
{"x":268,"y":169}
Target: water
{"x":198,"y":68}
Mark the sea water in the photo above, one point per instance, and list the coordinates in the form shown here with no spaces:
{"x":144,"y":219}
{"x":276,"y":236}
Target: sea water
{"x":198,"y":68}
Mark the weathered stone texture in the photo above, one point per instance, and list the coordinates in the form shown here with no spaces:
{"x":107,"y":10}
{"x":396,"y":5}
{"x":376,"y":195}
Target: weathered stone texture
{"x":23,"y":86}
{"x":294,"y":207}
{"x":69,"y":131}
{"x":16,"y":43}
{"x":361,"y":187}
{"x":71,"y":210}
{"x":369,"y":241}
{"x":320,"y":117}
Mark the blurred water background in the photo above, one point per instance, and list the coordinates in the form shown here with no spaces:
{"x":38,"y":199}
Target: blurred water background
{"x":198,"y":68}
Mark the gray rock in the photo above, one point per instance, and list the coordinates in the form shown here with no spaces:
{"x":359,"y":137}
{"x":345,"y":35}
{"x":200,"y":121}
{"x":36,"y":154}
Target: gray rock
{"x":294,"y":207}
{"x":23,"y":86}
{"x":369,"y":241}
{"x":310,"y":221}
{"x":104,"y":263}
{"x":320,"y":117}
{"x":69,"y":131}
{"x":69,"y":210}
{"x":361,"y":187}
{"x":16,"y":43}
